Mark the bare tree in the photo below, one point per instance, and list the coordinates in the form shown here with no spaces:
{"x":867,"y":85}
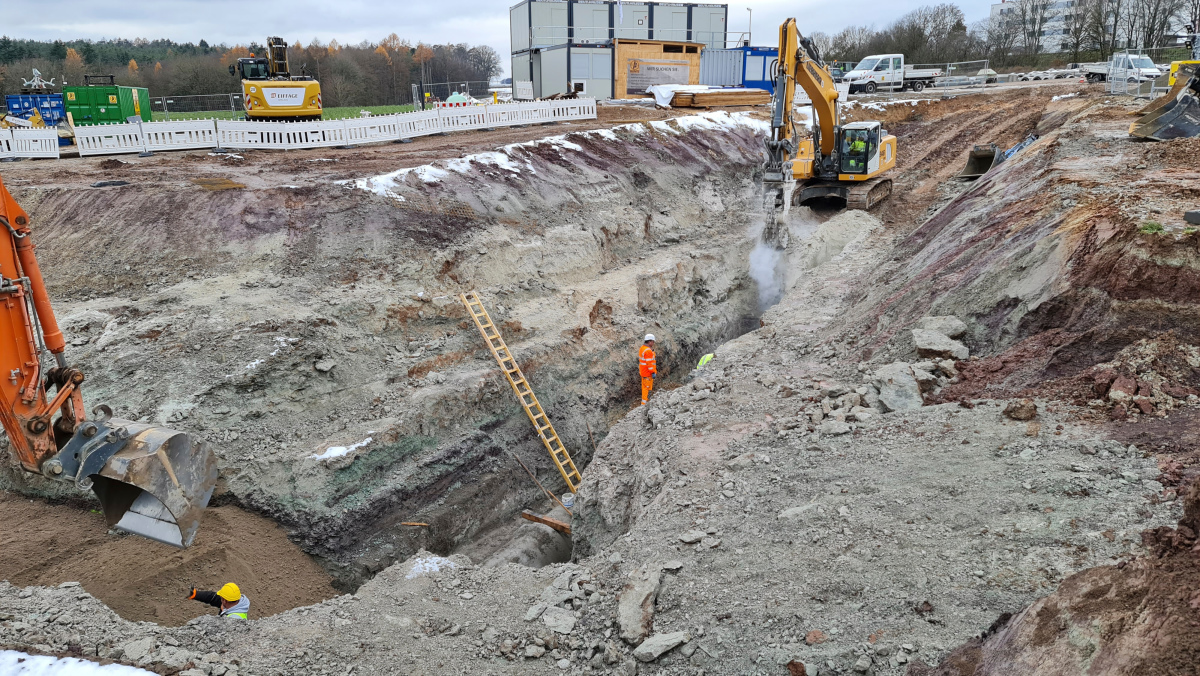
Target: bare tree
{"x":1103,"y":25}
{"x":1157,"y":18}
{"x":1191,"y":14}
{"x":1001,"y":32}
{"x":1075,"y":22}
{"x":851,"y":43}
{"x":823,"y":43}
{"x":1033,"y":15}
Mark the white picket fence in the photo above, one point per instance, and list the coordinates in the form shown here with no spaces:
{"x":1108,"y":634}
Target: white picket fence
{"x":28,"y":143}
{"x":111,"y":139}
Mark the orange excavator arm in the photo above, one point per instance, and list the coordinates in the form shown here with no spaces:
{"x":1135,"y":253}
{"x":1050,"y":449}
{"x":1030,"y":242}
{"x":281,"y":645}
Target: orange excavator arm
{"x":27,"y":323}
{"x":150,"y":480}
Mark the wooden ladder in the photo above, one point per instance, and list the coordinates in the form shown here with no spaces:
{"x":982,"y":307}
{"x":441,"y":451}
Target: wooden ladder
{"x":520,"y":386}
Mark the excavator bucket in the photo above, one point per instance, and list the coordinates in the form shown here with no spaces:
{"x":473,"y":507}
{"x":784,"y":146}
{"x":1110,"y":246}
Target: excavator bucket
{"x":151,"y":481}
{"x":1186,"y":71}
{"x":1176,"y":118}
{"x":981,"y":160}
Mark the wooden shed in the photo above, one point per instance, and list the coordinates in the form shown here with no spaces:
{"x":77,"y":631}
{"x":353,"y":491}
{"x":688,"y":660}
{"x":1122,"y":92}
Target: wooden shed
{"x":641,"y":63}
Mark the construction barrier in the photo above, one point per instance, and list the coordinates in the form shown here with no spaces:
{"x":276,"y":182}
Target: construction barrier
{"x":111,"y":139}
{"x":179,"y":135}
{"x":114,"y":139}
{"x":29,"y":143}
{"x":282,"y":135}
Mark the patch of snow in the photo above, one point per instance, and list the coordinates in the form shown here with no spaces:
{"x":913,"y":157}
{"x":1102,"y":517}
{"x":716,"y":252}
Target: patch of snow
{"x":339,"y":451}
{"x":16,"y":663}
{"x":254,"y":364}
{"x":883,"y":105}
{"x":1063,"y":96}
{"x":514,"y":157}
{"x":423,"y":565}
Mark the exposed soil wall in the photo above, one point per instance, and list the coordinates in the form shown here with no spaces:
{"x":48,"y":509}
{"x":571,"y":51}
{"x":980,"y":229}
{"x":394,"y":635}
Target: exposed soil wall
{"x":282,"y":321}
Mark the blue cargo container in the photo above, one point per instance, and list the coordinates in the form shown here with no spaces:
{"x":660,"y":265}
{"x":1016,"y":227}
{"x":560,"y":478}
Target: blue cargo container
{"x":743,"y":66}
{"x":49,"y":105}
{"x":758,"y":63}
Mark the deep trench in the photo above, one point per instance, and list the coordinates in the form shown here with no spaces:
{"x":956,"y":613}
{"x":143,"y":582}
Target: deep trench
{"x":682,"y":196}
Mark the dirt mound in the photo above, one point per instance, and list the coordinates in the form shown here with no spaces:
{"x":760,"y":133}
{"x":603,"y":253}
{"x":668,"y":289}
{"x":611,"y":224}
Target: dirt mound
{"x":1135,"y":618}
{"x":1053,"y":271}
{"x":47,"y":544}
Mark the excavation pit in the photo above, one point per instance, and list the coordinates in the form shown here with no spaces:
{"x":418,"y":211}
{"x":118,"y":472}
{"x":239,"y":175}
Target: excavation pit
{"x":146,"y":581}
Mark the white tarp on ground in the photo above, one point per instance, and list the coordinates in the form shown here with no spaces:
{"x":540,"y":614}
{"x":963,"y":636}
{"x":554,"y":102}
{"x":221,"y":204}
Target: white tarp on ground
{"x":13,"y":663}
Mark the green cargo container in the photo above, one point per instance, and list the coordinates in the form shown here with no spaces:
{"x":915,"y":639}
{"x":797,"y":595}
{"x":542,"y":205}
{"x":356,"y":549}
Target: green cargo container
{"x":106,"y":104}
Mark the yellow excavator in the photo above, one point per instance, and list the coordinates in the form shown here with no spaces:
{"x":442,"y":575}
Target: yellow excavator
{"x":271,"y":92}
{"x":840,"y":162}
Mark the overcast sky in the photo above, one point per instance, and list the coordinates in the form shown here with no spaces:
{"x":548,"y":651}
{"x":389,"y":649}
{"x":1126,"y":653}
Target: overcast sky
{"x":352,"y":21}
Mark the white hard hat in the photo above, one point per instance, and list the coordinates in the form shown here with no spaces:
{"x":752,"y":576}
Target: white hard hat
{"x":649,"y":337}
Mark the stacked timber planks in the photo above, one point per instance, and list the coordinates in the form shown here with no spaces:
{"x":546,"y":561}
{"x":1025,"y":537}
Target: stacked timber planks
{"x":721,"y":97}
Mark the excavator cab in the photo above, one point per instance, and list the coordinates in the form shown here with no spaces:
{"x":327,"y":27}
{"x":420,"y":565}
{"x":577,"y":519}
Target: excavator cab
{"x":251,"y":69}
{"x":859,"y":149}
{"x":859,"y":145}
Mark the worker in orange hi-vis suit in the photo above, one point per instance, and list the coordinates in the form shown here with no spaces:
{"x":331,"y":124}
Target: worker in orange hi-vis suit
{"x":647,"y":366}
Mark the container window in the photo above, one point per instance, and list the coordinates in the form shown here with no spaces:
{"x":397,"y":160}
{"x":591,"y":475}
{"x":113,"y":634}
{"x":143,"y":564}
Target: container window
{"x":691,"y":50}
{"x":754,"y":67}
{"x":581,"y":65}
{"x":672,"y":49}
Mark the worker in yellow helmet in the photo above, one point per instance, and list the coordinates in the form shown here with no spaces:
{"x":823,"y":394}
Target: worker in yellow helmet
{"x":230,"y":599}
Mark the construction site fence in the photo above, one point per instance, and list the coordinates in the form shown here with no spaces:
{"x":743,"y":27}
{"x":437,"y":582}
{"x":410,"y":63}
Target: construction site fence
{"x":35,"y":143}
{"x":182,"y":106}
{"x":424,"y":93}
{"x":114,"y":139}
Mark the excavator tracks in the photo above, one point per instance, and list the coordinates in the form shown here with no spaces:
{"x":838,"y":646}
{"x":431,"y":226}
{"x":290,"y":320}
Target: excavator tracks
{"x":868,"y":194}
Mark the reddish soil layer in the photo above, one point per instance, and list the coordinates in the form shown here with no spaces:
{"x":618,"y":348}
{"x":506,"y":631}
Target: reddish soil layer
{"x":45,"y":544}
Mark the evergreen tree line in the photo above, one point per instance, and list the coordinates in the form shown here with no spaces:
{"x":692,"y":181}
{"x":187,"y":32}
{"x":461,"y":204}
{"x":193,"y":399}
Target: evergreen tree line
{"x":1021,"y":33}
{"x":369,"y":73}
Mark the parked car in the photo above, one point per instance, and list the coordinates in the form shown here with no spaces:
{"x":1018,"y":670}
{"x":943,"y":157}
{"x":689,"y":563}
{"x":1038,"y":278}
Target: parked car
{"x":988,"y":75}
{"x":837,"y":74}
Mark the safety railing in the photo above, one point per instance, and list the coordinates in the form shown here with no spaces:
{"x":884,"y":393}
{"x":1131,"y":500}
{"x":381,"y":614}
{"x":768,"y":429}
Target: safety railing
{"x":33,"y":143}
{"x":110,"y":139}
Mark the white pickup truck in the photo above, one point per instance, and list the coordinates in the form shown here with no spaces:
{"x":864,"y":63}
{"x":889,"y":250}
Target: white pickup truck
{"x":888,"y":71}
{"x":1130,"y":67}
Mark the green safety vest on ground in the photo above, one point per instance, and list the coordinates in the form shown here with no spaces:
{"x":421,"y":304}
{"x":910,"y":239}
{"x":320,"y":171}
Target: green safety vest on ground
{"x":704,"y":360}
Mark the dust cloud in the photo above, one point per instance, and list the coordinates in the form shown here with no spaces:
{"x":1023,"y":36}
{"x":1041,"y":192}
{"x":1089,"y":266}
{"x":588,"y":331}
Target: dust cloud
{"x":767,"y":267}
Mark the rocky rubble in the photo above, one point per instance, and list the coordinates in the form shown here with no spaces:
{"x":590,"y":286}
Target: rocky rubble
{"x":1132,"y":618}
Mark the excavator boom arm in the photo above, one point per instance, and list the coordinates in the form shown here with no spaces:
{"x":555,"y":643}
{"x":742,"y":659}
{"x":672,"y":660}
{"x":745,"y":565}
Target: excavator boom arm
{"x":800,"y":63}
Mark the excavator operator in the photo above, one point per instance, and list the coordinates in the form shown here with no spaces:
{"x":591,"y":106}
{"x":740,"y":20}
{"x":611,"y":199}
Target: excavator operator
{"x":230,"y":599}
{"x":855,"y":149}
